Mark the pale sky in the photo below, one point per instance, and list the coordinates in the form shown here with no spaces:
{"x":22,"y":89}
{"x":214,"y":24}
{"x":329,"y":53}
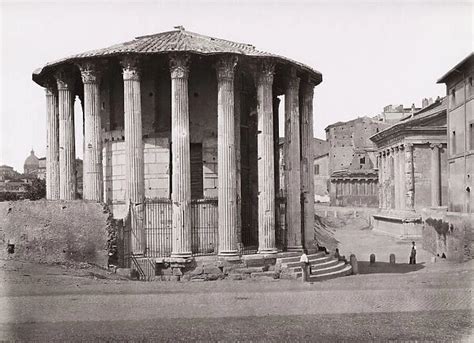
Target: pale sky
{"x":371,"y":54}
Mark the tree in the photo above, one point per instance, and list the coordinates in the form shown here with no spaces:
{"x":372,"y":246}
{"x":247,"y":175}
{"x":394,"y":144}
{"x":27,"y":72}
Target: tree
{"x":37,"y":190}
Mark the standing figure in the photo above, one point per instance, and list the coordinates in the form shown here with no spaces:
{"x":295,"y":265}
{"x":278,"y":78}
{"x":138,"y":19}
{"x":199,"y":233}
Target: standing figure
{"x":304,"y":260}
{"x":413,"y":253}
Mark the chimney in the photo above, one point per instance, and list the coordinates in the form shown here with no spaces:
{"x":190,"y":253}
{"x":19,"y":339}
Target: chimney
{"x":424,"y":103}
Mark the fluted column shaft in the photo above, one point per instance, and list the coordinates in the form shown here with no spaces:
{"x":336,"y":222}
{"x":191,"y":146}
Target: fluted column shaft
{"x":409,"y":178}
{"x":396,"y":178}
{"x":226,"y":161}
{"x":435,"y":175}
{"x":266,"y":163}
{"x":134,"y":169}
{"x":93,"y":181}
{"x":67,"y":153}
{"x":293,"y":164}
{"x":52,"y":143}
{"x":379,"y":166}
{"x":181,"y":163}
{"x":307,"y":158}
{"x":382,"y":179}
{"x":401,"y":172}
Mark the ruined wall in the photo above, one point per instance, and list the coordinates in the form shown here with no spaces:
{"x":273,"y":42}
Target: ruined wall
{"x":55,"y":231}
{"x":321,"y":179}
{"x":450,"y":234}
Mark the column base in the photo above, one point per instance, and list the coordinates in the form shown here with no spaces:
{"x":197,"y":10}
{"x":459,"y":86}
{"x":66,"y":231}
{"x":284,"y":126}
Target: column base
{"x":228,"y":253}
{"x":181,"y":254}
{"x":268,"y":251}
{"x":297,"y":248}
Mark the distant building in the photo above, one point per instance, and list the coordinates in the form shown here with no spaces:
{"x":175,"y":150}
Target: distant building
{"x":352,"y":160}
{"x":460,"y":96}
{"x":394,"y":113}
{"x":31,"y":164}
{"x":7,"y":172}
{"x":321,"y":170}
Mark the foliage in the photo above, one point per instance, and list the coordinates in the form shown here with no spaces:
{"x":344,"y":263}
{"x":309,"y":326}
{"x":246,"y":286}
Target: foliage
{"x":8,"y":196}
{"x":37,"y":190}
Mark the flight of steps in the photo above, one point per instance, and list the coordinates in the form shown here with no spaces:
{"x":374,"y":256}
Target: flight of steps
{"x":323,"y":267}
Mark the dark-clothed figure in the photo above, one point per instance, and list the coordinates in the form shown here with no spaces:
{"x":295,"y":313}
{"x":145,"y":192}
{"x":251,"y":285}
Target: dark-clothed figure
{"x":413,"y":254}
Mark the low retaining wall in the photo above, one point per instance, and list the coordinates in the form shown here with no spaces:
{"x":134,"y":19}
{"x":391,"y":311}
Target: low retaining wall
{"x":400,"y":225}
{"x":55,"y":231}
{"x":449,"y":234}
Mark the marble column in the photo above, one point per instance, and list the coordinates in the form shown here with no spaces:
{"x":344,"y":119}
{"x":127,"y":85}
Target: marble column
{"x":134,"y":168}
{"x":307,"y":161}
{"x":292,"y":163}
{"x":401,"y":173}
{"x":92,"y":175}
{"x":435,"y":175}
{"x":409,"y":178}
{"x":379,"y":167}
{"x":52,"y":142}
{"x":238,"y":180}
{"x":396,"y":177}
{"x":266,"y":163}
{"x":276,"y":143}
{"x":67,"y":149}
{"x":180,"y":152}
{"x":382,"y":180}
{"x":226,"y":161}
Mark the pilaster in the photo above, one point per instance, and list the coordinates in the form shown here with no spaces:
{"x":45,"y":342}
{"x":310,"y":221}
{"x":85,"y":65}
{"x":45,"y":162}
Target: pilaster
{"x":409,"y":178}
{"x":435,"y":175}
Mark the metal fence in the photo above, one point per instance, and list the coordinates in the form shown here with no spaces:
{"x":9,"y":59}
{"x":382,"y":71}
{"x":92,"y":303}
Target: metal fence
{"x":158,"y":227}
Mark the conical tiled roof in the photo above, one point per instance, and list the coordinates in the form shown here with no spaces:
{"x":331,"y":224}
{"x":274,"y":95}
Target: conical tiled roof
{"x":178,"y":40}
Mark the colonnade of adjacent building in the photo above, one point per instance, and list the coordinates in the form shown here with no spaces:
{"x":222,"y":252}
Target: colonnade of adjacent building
{"x":397,"y":177}
{"x":60,"y":159}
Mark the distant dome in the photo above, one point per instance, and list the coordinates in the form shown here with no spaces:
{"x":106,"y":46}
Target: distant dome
{"x":31,"y":163}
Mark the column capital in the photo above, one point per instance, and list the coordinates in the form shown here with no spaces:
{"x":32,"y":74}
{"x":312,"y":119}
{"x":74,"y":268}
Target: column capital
{"x":64,"y":79}
{"x":293,"y":80}
{"x":438,"y":145}
{"x":90,"y":73}
{"x":265,"y":72}
{"x":130,"y":68}
{"x":225,"y":67}
{"x":308,"y":88}
{"x":179,"y":65}
{"x":50,"y":86}
{"x":409,"y":145}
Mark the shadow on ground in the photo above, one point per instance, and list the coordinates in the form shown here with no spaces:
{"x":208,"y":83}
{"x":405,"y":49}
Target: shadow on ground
{"x":385,"y":267}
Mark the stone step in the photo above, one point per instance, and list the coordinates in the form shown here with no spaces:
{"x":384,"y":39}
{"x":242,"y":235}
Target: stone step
{"x":313,"y":261}
{"x":316,"y":264}
{"x":249,"y":270}
{"x":328,"y":269}
{"x":271,"y":275}
{"x":297,"y":258}
{"x":347,"y":270}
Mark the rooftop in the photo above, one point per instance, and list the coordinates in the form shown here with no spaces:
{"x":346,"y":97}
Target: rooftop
{"x":468,"y":60}
{"x":178,"y":40}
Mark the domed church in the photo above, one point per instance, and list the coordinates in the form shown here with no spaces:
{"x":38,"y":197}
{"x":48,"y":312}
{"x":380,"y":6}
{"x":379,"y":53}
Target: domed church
{"x":181,"y":136}
{"x":31,"y":164}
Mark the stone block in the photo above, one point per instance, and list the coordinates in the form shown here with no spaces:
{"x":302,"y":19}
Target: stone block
{"x":211,"y":269}
{"x":255,"y":261}
{"x":372,"y":258}
{"x":235,"y":277}
{"x":354,"y":264}
{"x":124,"y":272}
{"x":250,"y":270}
{"x":392,"y":259}
{"x":264,"y":275}
{"x":177,"y":272}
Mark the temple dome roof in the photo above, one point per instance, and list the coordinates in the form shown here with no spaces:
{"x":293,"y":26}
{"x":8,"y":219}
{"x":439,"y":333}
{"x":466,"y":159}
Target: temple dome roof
{"x":32,"y":160}
{"x":178,"y":40}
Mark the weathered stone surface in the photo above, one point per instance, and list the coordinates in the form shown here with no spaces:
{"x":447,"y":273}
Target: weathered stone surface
{"x":264,"y":275}
{"x":127,"y":272}
{"x":235,"y":277}
{"x":392,"y":259}
{"x":211,"y":269}
{"x":354,"y":264}
{"x":372,"y":258}
{"x":250,"y":270}
{"x":177,"y":272}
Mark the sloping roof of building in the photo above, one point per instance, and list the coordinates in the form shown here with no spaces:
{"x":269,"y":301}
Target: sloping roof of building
{"x":468,"y":60}
{"x":419,"y":118}
{"x":178,"y":40}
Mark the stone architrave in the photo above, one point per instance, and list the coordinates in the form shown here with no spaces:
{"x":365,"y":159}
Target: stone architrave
{"x":92,"y":176}
{"x":409,"y":178}
{"x":307,"y":161}
{"x":435,"y":175}
{"x":401,"y":172}
{"x":180,"y":151}
{"x":293,"y":163}
{"x":226,"y":157}
{"x":67,"y":150}
{"x":52,"y":142}
{"x":134,"y":168}
{"x":265,"y":149}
